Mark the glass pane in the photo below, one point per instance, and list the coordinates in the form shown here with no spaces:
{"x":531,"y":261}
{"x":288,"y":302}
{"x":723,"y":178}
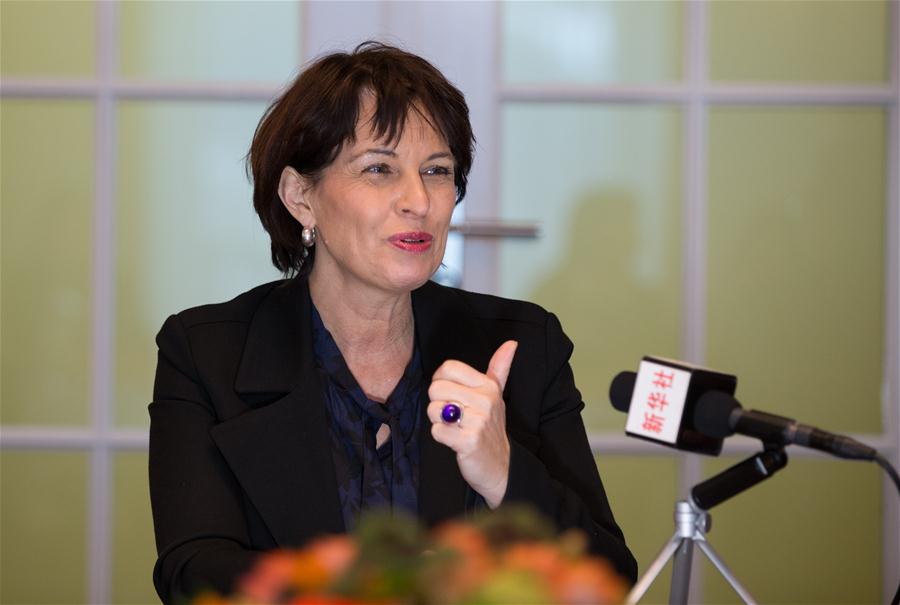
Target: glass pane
{"x":43,"y":543}
{"x":811,"y":534}
{"x":642,"y":494}
{"x":133,"y":547}
{"x":839,"y":40}
{"x":603,"y":184}
{"x":187,"y":232}
{"x":796,"y":260}
{"x":249,"y":41}
{"x":47,"y":38}
{"x":592,"y":42}
{"x":47,"y":185}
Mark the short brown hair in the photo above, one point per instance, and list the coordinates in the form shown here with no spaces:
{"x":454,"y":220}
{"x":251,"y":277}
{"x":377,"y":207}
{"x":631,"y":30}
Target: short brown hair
{"x":306,"y":127}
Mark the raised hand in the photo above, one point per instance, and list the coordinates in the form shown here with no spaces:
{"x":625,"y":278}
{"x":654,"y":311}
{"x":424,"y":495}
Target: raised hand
{"x":479,"y":438}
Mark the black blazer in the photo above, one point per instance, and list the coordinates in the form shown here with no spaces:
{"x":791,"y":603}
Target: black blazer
{"x":240,"y":453}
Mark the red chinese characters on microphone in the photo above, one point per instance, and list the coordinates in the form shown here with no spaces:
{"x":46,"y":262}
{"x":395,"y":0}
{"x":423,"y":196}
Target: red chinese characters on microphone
{"x":657,"y":402}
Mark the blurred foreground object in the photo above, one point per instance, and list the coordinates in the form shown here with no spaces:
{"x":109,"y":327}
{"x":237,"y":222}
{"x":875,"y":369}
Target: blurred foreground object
{"x":506,"y":556}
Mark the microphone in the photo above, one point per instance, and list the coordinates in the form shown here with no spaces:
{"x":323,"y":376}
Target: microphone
{"x":719,"y":415}
{"x":660,"y":400}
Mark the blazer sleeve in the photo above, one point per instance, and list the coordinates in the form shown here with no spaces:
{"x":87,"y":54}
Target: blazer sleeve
{"x":561,"y":477}
{"x":201,"y":530}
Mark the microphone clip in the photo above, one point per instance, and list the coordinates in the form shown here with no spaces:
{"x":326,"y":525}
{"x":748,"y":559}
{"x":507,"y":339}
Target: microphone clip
{"x":740,"y":477}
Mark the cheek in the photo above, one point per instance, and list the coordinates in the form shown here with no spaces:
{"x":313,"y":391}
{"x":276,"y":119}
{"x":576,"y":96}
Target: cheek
{"x":444,"y":200}
{"x":442,"y":235}
{"x":346,"y":213}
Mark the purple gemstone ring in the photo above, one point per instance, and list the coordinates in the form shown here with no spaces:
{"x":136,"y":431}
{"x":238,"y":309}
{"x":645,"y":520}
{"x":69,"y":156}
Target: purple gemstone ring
{"x":451,"y":413}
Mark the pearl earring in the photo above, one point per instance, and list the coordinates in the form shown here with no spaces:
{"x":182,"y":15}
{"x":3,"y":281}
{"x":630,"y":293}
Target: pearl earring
{"x":308,"y":237}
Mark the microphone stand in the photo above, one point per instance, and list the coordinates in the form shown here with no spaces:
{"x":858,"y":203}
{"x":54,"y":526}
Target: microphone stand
{"x":692,"y":521}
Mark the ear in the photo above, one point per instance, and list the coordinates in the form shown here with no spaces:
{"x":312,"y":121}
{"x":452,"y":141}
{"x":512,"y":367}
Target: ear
{"x":294,"y":191}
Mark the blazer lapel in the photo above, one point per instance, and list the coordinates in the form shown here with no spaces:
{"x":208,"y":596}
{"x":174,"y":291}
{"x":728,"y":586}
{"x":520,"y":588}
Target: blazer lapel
{"x":281,"y":452}
{"x":445,"y":329}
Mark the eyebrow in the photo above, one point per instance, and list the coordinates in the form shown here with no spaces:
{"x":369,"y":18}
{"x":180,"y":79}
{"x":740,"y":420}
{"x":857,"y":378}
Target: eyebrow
{"x":375,"y":150}
{"x":393,"y":154}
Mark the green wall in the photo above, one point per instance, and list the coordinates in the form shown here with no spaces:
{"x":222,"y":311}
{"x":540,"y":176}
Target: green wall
{"x":795,"y":252}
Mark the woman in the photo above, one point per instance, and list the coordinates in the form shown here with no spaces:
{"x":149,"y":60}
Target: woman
{"x":357,"y":383}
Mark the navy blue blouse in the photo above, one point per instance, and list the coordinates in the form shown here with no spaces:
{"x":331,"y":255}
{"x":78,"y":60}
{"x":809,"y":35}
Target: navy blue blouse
{"x":370,"y":478}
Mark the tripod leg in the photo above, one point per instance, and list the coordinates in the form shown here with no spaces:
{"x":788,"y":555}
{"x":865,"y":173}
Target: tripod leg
{"x":726,"y":573}
{"x":653,"y":570}
{"x":681,"y":573}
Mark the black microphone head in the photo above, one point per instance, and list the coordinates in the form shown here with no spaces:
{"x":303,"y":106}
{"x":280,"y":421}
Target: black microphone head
{"x":620,"y":390}
{"x":712,"y":415}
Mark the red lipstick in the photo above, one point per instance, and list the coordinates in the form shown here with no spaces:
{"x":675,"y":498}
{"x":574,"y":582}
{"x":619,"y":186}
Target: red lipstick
{"x":412,"y":241}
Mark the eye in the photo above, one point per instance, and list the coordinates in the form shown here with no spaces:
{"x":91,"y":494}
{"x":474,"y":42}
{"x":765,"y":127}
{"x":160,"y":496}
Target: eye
{"x":378,"y":169}
{"x":439,"y":171}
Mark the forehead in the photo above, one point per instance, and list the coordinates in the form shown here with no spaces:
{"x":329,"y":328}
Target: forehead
{"x":416,"y":127}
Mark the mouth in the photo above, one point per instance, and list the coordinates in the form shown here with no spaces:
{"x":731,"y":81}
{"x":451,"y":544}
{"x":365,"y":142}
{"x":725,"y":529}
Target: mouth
{"x":412,"y":241}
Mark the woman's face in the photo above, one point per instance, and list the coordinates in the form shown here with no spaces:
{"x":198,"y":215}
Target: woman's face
{"x":382,"y":210}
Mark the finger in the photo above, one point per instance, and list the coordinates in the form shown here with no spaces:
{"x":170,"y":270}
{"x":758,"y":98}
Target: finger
{"x":436,"y":408}
{"x":457,"y":371}
{"x":449,"y":435}
{"x":470,"y":418}
{"x":498,"y":367}
{"x":445,"y":390}
{"x":434,"y":411}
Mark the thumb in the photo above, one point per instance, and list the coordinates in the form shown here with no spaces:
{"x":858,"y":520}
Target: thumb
{"x":498,"y":367}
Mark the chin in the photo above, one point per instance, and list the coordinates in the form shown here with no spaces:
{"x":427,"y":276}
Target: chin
{"x":408,"y":285}
{"x":407,"y":281}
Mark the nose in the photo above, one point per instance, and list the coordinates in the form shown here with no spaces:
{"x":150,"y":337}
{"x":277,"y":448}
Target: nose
{"x":414,"y":198}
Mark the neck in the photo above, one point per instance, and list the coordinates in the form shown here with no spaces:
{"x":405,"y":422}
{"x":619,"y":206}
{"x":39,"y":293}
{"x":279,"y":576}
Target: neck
{"x":361,"y":320}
